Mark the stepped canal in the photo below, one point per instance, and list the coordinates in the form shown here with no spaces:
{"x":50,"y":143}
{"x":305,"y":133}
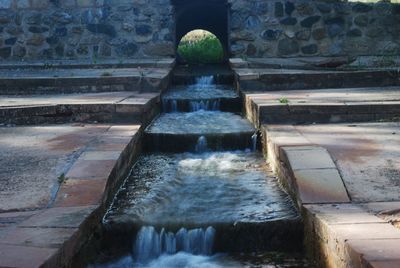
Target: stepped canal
{"x":201,"y":195}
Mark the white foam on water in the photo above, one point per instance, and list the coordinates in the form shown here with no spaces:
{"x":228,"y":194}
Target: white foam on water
{"x":178,"y":260}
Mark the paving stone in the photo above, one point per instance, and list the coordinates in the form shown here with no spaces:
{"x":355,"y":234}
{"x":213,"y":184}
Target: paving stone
{"x":125,"y":131}
{"x":9,"y":218}
{"x":342,"y":214}
{"x":308,"y":159}
{"x":382,"y":207}
{"x":38,"y":237}
{"x":91,"y":169}
{"x":374,"y":249}
{"x":23,"y":257}
{"x":112,"y":140}
{"x":384,"y":264}
{"x":128,"y":108}
{"x":320,"y":186}
{"x":361,"y":231}
{"x":366,"y":156}
{"x":75,"y":193}
{"x":100,"y":155}
{"x":104,"y":146}
{"x":61,"y":217}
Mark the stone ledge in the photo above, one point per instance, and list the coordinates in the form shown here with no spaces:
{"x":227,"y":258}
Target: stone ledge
{"x":51,"y":237}
{"x":269,"y":80}
{"x":322,"y":106}
{"x":43,"y":81}
{"x":118,"y":107}
{"x":317,"y":186}
{"x":307,"y":157}
{"x":337,"y":234}
{"x":82,"y":63}
{"x":344,"y":236}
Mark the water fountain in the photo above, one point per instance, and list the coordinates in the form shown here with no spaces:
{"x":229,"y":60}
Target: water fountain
{"x":202,"y":194}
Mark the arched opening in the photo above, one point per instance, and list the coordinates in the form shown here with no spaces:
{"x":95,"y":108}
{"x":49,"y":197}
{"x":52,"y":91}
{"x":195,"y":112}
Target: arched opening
{"x":209,"y":15}
{"x":200,"y":47}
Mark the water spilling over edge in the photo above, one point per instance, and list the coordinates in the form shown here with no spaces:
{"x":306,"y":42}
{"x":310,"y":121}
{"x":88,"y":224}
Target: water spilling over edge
{"x":151,"y":244}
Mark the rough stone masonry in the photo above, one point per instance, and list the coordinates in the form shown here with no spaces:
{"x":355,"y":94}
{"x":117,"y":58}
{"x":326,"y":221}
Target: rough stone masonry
{"x":118,"y":29}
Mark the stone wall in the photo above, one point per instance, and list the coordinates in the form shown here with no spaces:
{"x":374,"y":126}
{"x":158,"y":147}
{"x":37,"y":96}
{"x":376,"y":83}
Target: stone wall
{"x":118,"y":29}
{"x":311,"y":28}
{"x":71,"y":29}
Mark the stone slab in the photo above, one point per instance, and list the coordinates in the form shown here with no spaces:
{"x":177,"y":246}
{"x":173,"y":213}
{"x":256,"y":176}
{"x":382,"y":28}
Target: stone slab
{"x":342,"y":214}
{"x":323,"y":105}
{"x":91,"y":169}
{"x":32,"y":159}
{"x":88,"y":63}
{"x":301,"y":158}
{"x":100,"y":155}
{"x":365,"y":231}
{"x":23,"y":257}
{"x":268,"y":79}
{"x":366,"y":155}
{"x":320,"y":186}
{"x":75,"y":193}
{"x":374,"y":249}
{"x":38,"y":237}
{"x":384,"y":264}
{"x":124,"y":131}
{"x":13,"y":218}
{"x":61,"y":217}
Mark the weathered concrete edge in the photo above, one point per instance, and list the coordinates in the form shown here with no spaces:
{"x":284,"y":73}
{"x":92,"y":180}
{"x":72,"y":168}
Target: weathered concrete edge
{"x":66,"y":255}
{"x":82,"y":113}
{"x":318,"y":113}
{"x":100,"y":64}
{"x":327,"y":241}
{"x":90,"y":224}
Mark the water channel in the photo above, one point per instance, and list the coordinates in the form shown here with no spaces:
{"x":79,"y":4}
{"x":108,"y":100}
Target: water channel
{"x":202,"y":195}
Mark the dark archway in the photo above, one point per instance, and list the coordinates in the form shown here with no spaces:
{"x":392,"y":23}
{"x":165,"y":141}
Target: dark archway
{"x":210,"y":15}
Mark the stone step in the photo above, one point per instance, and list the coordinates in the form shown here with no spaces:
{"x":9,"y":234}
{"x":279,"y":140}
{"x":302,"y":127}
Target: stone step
{"x":323,"y":106}
{"x":233,"y":105}
{"x":55,"y":81}
{"x":184,"y":75}
{"x":89,"y":63}
{"x":260,"y":80}
{"x":115,"y":107}
{"x":178,"y":143}
{"x":207,"y":97}
{"x":180,"y":132}
{"x":242,"y":237}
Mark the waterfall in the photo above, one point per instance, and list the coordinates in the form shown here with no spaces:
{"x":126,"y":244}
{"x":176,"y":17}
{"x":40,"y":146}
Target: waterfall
{"x":204,"y":81}
{"x":150,"y":244}
{"x":170,"y":106}
{"x":254,"y":142}
{"x":206,"y":105}
{"x":201,"y":145}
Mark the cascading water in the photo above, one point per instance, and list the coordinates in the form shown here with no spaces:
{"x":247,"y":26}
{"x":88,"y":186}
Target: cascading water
{"x":204,"y":81}
{"x":254,"y":139}
{"x":201,"y":145}
{"x":151,"y":244}
{"x":220,"y":190}
{"x":205,"y":96}
{"x":206,"y":105}
{"x":170,"y":106}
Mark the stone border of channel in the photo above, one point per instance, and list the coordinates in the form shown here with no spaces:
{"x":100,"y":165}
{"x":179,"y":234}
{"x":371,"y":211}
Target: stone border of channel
{"x":119,"y":112}
{"x":331,"y":112}
{"x":51,"y":237}
{"x":338,"y":233}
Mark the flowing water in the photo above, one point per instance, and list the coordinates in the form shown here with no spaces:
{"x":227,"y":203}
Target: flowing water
{"x":186,"y":209}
